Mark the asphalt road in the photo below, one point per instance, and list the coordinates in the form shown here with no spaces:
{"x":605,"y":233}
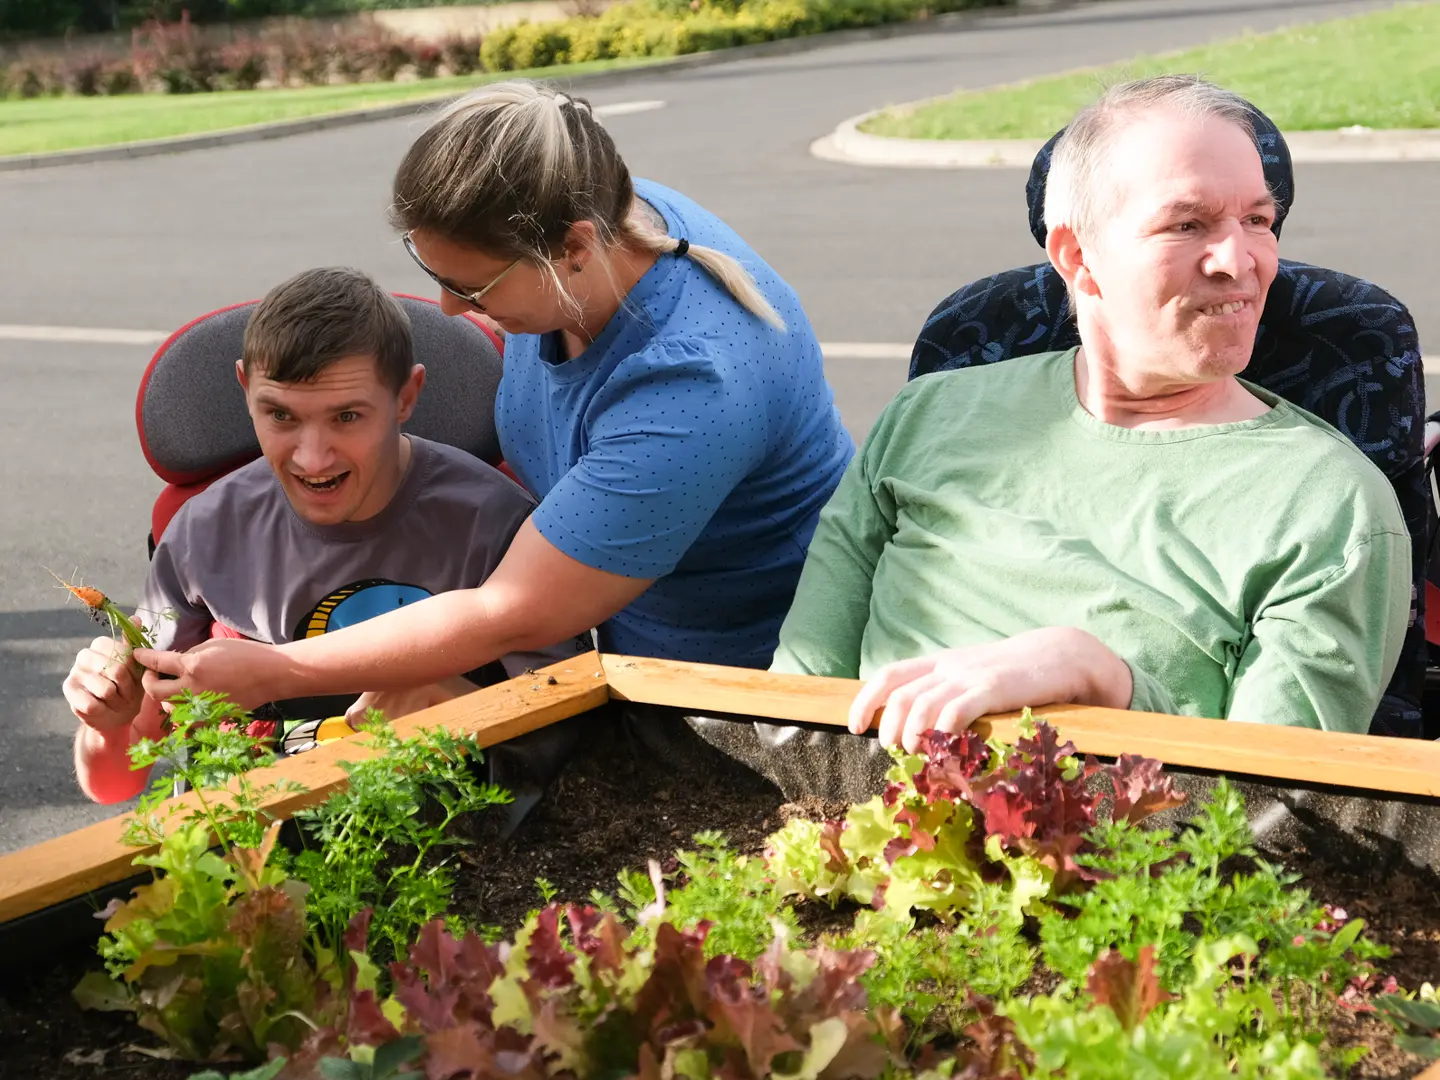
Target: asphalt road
{"x":148,"y":244}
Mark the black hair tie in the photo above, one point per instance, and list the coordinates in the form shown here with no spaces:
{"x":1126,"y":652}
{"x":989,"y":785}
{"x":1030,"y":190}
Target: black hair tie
{"x":681,"y":248}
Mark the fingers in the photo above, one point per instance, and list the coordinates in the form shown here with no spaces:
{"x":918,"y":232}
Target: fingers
{"x":962,"y":710}
{"x":929,"y":707}
{"x":101,"y":688}
{"x":166,"y":663}
{"x":355,"y":714}
{"x":102,"y":656}
{"x":895,"y":720}
{"x":880,"y":686}
{"x":160,"y":687}
{"x":164,"y":674}
{"x":104,"y":689}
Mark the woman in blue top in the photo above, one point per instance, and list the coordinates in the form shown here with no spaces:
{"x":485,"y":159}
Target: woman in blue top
{"x":663,"y":396}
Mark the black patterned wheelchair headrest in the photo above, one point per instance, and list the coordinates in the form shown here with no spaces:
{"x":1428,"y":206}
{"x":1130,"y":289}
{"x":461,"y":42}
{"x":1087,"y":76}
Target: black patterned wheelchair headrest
{"x":1274,"y":158}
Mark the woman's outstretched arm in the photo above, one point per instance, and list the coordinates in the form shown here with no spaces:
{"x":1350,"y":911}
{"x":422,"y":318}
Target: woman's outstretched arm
{"x":536,"y":596}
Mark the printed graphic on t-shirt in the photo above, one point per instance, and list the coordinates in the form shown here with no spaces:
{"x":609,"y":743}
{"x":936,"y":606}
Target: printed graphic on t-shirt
{"x":355,"y":603}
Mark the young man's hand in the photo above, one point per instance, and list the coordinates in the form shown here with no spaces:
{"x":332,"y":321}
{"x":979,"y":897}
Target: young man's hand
{"x":103,"y":688}
{"x":949,"y":690}
{"x":397,"y":703}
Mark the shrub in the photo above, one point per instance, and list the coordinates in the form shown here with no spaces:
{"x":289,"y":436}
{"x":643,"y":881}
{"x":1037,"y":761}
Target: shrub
{"x":176,"y":56}
{"x":427,"y":57}
{"x":85,"y":75}
{"x":118,"y":77}
{"x":302,"y":54}
{"x":36,"y":76}
{"x":462,"y":53}
{"x":372,"y":55}
{"x":676,"y":27}
{"x":245,"y":63}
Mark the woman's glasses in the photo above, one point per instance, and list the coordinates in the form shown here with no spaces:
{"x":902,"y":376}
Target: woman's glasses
{"x":471,"y":298}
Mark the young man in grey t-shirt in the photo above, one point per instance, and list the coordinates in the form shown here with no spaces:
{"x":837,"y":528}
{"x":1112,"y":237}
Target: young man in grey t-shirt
{"x":343,"y":518}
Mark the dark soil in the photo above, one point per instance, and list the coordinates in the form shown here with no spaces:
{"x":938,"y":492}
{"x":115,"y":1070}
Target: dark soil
{"x":616,"y":804}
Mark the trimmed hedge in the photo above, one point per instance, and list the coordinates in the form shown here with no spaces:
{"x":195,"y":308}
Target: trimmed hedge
{"x":674,"y":27}
{"x":173,"y":58}
{"x":54,"y":18}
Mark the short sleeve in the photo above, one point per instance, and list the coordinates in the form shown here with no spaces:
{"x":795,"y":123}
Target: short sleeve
{"x":1321,"y":656}
{"x":1149,"y":695}
{"x":824,"y":632}
{"x":174,"y":616}
{"x":668,"y":439}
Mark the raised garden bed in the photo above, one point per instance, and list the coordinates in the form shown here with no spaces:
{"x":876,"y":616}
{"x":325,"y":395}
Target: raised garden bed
{"x":616,"y":805}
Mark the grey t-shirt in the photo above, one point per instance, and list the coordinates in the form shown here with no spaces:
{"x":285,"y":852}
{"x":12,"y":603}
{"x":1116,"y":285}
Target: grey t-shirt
{"x":237,"y":554}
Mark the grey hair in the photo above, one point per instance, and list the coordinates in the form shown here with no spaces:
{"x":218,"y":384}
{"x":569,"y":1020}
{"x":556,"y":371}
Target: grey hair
{"x":509,"y":168}
{"x":1077,"y":191}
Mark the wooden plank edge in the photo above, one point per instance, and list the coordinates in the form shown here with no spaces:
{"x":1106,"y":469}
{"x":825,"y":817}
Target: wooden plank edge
{"x":80,"y":861}
{"x":1366,"y":762}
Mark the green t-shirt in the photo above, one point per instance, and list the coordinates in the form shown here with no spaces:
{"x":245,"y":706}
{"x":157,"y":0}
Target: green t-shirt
{"x":1257,"y":570}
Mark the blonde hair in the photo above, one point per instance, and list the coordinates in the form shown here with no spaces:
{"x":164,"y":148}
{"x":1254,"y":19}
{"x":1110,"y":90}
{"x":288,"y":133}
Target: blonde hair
{"x":509,"y":168}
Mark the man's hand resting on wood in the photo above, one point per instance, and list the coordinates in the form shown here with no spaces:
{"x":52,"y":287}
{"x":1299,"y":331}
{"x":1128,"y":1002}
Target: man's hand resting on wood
{"x":949,"y":690}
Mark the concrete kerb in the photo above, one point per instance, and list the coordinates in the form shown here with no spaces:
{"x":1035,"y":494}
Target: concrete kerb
{"x":278,"y":129}
{"x":851,"y":146}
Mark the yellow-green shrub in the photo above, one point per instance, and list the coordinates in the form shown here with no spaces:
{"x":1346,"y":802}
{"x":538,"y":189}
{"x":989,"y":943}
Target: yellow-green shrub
{"x":639,"y":28}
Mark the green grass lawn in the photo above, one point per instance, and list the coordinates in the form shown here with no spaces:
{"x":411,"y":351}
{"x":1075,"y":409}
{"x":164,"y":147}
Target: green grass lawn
{"x":68,"y":123}
{"x":1380,"y":70}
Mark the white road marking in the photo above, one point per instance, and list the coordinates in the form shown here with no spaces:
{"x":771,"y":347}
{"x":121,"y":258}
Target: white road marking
{"x":866,"y":350}
{"x":625,"y":108}
{"x":83,"y":335}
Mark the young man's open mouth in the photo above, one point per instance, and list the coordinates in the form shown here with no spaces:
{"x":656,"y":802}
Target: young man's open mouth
{"x":322,"y":485}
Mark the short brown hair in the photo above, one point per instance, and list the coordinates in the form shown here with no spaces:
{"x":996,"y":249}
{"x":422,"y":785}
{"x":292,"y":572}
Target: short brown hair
{"x":322,"y":316}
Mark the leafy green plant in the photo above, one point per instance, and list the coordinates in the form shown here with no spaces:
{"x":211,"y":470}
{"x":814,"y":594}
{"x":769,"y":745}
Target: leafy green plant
{"x":210,"y":956}
{"x":1178,"y":952}
{"x":961,"y":813}
{"x":211,"y":746}
{"x":230,"y":951}
{"x":1121,"y":1025}
{"x":592,"y":1003}
{"x":734,"y":894}
{"x":933,"y":974}
{"x":378,"y":842}
{"x":1416,"y":1019}
{"x":269,"y":1071}
{"x":1167,"y":894}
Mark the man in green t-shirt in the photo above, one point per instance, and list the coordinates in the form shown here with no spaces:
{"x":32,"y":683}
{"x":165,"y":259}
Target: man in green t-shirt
{"x":1127,"y":524}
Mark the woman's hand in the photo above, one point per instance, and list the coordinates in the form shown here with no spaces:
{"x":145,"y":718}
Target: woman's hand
{"x":949,"y":690}
{"x":249,"y":673}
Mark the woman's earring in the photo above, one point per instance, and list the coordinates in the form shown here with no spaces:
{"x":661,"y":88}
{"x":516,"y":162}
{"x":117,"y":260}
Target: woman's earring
{"x":575,"y":268}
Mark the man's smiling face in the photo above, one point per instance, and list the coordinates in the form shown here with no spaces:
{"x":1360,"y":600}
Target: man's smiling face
{"x":1185,"y":261}
{"x":334,"y":442}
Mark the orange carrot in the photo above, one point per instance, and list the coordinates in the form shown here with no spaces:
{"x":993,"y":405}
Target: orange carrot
{"x":102,"y":608}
